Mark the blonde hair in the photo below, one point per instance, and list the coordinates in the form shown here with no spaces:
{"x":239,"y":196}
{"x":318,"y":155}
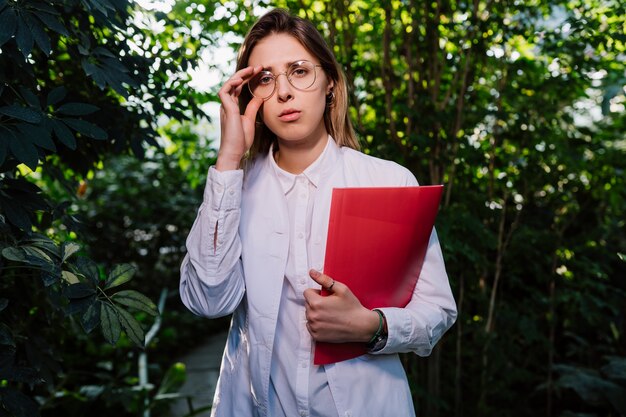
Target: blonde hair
{"x":336,"y":117}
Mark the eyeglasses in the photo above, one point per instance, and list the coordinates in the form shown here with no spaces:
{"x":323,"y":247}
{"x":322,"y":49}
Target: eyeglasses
{"x":301,"y":75}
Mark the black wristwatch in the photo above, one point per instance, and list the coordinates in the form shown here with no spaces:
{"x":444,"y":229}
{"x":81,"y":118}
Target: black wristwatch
{"x":380,"y":338}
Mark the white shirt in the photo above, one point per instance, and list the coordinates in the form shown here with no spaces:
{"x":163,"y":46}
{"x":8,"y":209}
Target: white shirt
{"x":297,"y":387}
{"x":236,"y":262}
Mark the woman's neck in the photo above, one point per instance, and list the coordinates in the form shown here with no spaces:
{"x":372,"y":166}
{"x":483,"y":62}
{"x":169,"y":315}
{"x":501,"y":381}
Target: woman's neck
{"x":295,"y":157}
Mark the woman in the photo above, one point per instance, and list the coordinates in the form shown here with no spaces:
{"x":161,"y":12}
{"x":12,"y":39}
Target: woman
{"x":257,"y":246}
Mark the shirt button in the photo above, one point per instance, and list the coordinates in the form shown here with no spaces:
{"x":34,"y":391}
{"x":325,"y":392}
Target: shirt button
{"x":303,"y":413}
{"x":348,"y":414}
{"x":302,"y":281}
{"x":300,"y":235}
{"x":303,"y":364}
{"x":231,"y":192}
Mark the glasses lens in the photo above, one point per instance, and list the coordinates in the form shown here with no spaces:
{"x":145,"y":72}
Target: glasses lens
{"x":262,"y":85}
{"x":302,"y":75}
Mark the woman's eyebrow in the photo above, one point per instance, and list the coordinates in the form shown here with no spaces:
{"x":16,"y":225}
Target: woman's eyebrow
{"x":287,"y":65}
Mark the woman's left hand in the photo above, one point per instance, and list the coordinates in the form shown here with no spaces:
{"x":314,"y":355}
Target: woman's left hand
{"x":338,"y":317}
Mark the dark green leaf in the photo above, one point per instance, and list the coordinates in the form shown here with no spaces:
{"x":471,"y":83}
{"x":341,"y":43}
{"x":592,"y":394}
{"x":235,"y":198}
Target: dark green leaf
{"x":6,"y":335}
{"x":24,"y":151}
{"x":110,"y":323}
{"x":30,"y":97}
{"x":3,"y":303}
{"x":16,"y":214}
{"x":64,"y":134}
{"x":38,"y":254}
{"x":131,"y":326}
{"x":79,"y":290}
{"x":77,"y":109}
{"x":79,"y":305}
{"x":14,"y":254}
{"x":18,"y":404}
{"x":52,"y":22}
{"x":55,"y":95}
{"x":136,"y":300}
{"x":86,"y":128}
{"x":21,"y":374}
{"x":119,"y":275}
{"x":24,"y":38}
{"x":4,"y":147}
{"x":39,"y":35}
{"x":38,"y":135}
{"x":21,"y":113}
{"x":88,"y":268}
{"x":91,"y":318}
{"x":8,"y":24}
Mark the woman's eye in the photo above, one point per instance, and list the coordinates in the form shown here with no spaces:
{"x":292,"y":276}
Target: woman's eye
{"x":265,"y":80}
{"x":299,"y":72}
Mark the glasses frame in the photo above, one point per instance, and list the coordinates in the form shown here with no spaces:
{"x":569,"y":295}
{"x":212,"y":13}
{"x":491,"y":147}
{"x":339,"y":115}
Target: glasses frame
{"x":285,"y":73}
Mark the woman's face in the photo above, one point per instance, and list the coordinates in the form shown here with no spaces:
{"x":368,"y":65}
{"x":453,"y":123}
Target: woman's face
{"x":296,"y":116}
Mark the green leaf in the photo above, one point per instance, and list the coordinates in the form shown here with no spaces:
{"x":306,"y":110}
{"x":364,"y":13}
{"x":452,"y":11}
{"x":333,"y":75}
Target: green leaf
{"x":91,"y":317}
{"x":68,"y":249}
{"x":136,"y":300}
{"x":622,"y":256}
{"x":88,"y":268}
{"x":77,"y":109}
{"x":131,"y":326}
{"x":70,"y":277}
{"x":39,"y":35}
{"x":8,"y":23}
{"x":16,"y":214}
{"x":38,"y":135}
{"x":21,"y":113}
{"x":173,"y":379}
{"x":6,"y":335}
{"x":24,"y":151}
{"x":38,"y":253}
{"x":18,"y":404}
{"x":3,"y":303}
{"x":86,"y":128}
{"x":52,"y":23}
{"x":79,"y":290}
{"x":4,"y":147}
{"x":64,"y":134}
{"x":14,"y":254}
{"x":55,"y":95}
{"x":110,"y":323}
{"x":24,"y":38}
{"x":119,"y":275}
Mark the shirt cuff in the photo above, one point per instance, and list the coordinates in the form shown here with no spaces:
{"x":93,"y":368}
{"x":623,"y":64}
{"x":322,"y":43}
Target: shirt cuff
{"x":223,"y":189}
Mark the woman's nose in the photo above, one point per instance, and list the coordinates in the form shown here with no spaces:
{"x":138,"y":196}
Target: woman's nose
{"x":283,"y":88}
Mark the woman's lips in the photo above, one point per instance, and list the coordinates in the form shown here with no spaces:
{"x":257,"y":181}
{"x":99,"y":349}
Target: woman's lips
{"x":289,"y":116}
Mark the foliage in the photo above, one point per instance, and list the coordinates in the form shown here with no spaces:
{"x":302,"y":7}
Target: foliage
{"x":517,"y":107}
{"x":79,"y":81}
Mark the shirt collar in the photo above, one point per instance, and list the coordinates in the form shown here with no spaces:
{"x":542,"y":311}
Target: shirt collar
{"x":315,"y":173}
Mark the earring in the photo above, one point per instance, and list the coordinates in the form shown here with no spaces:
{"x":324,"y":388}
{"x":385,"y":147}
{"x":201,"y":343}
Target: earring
{"x":330,"y":98}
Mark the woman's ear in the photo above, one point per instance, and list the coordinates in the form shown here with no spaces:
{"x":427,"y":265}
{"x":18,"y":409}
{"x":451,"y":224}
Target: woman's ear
{"x":330,"y":86}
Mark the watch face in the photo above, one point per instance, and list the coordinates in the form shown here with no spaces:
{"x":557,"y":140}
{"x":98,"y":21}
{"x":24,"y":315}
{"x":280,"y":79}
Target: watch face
{"x":378,"y":344}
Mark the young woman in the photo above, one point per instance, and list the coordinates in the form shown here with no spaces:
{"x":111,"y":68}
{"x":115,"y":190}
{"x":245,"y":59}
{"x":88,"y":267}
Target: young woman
{"x":257,"y":246}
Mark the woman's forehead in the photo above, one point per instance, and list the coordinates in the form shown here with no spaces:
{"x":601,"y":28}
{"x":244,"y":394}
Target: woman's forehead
{"x":277,"y":51}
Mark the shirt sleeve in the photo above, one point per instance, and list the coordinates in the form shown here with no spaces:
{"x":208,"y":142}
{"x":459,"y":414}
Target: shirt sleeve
{"x":211,"y":276}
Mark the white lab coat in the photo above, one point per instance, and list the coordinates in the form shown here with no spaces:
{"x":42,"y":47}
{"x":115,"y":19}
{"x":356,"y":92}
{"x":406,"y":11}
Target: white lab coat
{"x":241,"y":270}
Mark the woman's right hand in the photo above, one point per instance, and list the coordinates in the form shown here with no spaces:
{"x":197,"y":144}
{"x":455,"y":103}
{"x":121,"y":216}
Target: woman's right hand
{"x":237,"y":130}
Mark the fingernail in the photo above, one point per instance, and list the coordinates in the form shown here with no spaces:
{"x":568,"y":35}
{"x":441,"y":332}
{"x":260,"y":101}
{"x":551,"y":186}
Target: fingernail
{"x":314,"y":273}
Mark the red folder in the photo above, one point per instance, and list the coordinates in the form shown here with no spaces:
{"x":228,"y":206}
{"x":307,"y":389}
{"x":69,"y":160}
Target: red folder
{"x":377,"y":240}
